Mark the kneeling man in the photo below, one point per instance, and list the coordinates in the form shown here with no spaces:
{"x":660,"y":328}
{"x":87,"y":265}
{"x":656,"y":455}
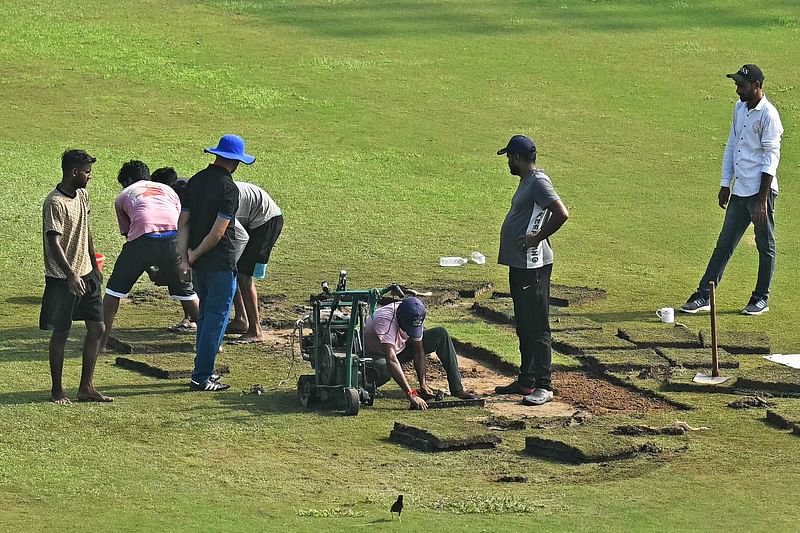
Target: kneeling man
{"x":394,"y":335}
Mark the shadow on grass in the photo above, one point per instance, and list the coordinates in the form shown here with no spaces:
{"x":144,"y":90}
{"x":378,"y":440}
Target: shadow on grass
{"x":31,"y":344}
{"x":412,"y":19}
{"x":620,"y":316}
{"x":116,"y":391}
{"x":24,"y":300}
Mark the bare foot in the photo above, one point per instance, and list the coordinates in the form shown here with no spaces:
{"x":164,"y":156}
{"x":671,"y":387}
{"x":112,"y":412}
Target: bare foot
{"x":93,"y":396}
{"x":60,"y":399}
{"x":236,"y":327}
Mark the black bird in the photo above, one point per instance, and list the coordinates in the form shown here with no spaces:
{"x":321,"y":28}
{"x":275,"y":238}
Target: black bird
{"x":397,"y":507}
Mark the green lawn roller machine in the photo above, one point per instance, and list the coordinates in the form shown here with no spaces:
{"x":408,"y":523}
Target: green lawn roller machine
{"x":343,"y":374}
{"x":335,"y":347}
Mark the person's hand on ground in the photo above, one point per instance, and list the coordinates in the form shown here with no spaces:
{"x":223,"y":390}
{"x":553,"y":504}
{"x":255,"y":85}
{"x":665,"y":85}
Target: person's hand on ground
{"x":723,"y":196}
{"x":76,"y":285}
{"x":425,"y":392}
{"x":418,"y":403}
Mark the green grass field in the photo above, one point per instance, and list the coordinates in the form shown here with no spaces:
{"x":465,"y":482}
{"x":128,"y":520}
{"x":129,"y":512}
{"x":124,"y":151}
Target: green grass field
{"x":375,"y":125}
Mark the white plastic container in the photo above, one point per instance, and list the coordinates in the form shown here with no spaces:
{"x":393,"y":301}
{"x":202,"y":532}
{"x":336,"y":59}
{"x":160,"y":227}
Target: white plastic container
{"x":452,"y":261}
{"x":478,"y":258}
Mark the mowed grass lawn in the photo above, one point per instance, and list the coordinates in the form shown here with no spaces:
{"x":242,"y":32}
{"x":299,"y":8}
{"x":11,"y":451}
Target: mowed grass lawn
{"x":375,"y":126}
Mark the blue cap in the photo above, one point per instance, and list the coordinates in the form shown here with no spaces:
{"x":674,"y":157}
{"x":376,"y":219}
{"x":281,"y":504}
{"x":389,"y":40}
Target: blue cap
{"x":231,"y":147}
{"x":519,"y":144}
{"x":410,"y":316}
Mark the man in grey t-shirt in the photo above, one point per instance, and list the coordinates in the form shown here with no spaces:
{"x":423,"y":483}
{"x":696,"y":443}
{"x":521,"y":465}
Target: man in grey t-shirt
{"x":536,"y":213}
{"x":261,"y":221}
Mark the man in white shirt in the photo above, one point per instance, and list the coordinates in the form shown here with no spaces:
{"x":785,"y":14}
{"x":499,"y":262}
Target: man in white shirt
{"x":394,"y":335}
{"x":748,"y":188}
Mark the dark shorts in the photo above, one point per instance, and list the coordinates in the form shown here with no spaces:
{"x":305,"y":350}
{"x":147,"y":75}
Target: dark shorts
{"x":139,"y":254}
{"x":259,"y":247}
{"x":60,"y":307}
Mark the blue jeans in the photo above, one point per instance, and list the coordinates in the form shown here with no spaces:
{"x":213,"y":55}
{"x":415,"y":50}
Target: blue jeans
{"x":215,"y":290}
{"x":738,"y":217}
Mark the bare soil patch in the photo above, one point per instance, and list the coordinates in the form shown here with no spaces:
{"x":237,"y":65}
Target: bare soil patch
{"x":573,"y":390}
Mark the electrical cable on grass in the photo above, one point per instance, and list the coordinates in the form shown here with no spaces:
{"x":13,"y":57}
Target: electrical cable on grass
{"x":298,"y":325}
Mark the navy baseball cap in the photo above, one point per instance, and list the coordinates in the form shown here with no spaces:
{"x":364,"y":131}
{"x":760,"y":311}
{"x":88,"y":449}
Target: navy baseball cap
{"x":519,"y":144}
{"x":410,"y":316}
{"x":748,"y":73}
{"x":231,"y":147}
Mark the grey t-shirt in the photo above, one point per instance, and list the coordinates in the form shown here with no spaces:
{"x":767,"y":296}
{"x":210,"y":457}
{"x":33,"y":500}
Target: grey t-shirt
{"x":527,"y":214}
{"x":256,"y":207}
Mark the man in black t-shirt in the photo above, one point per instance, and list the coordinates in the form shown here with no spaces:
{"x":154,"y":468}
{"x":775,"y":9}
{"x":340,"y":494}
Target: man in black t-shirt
{"x":206,"y":244}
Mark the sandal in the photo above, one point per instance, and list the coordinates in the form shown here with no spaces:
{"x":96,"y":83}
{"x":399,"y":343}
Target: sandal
{"x":183,"y":327}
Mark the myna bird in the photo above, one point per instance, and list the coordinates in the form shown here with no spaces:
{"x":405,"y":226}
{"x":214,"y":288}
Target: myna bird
{"x":397,"y":507}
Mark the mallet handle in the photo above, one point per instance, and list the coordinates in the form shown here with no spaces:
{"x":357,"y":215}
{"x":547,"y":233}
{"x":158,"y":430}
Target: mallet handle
{"x":714,"y":355}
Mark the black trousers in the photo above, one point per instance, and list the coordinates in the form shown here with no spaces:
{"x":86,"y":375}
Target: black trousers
{"x":530,"y":290}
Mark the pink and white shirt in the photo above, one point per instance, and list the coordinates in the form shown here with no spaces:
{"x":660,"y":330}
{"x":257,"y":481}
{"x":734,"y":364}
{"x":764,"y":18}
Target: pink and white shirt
{"x":382,"y":328}
{"x":147,"y":207}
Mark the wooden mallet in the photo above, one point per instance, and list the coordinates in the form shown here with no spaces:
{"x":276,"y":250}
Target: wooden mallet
{"x":714,"y":355}
{"x":714,"y":378}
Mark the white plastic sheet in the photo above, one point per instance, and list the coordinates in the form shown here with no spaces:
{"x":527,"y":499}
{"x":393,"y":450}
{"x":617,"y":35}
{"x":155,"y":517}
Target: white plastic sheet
{"x":788,"y":359}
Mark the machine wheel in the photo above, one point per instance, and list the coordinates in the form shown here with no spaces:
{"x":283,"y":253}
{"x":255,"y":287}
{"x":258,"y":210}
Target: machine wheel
{"x":305,"y":385}
{"x":352,"y":401}
{"x":326,"y":365}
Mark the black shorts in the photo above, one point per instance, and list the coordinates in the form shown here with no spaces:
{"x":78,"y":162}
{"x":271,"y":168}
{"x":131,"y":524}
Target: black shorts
{"x":144,"y":252}
{"x":259,"y":246}
{"x":60,"y":307}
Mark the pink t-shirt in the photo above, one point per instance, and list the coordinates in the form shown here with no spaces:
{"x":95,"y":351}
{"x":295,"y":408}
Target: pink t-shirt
{"x":382,"y":328}
{"x":147,"y":207}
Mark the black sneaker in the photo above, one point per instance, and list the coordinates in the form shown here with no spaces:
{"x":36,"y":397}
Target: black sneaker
{"x":756,"y":307}
{"x":514,"y":388}
{"x":208,"y":386}
{"x":214,"y":377}
{"x":695,"y":304}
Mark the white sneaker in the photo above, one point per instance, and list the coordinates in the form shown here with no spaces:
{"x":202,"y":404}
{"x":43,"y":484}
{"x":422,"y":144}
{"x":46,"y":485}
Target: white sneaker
{"x":538,"y":397}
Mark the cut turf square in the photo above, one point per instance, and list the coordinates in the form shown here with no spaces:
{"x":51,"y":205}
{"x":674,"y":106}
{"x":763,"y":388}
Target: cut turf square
{"x":659,"y":335}
{"x":696,"y":357}
{"x":430,"y":440}
{"x":586,"y":341}
{"x":737,"y":342}
{"x":596,"y":444}
{"x":624,"y":360}
{"x":771,"y":377}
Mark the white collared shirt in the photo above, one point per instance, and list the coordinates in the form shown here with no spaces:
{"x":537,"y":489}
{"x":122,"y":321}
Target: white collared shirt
{"x":754,"y":146}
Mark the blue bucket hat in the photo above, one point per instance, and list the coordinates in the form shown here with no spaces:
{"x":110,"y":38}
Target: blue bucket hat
{"x":410,"y":316}
{"x":231,"y":147}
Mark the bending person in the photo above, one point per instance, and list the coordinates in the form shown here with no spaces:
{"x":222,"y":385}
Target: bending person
{"x":147,"y":213}
{"x":394,"y":335}
{"x":262,"y":219}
